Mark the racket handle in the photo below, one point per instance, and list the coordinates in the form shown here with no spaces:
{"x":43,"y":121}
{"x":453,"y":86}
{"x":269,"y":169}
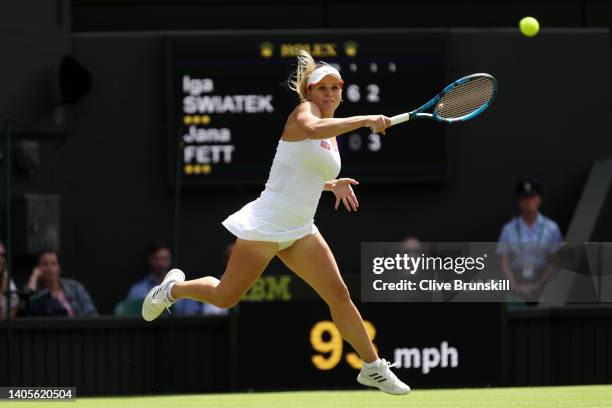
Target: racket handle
{"x":404,"y":117}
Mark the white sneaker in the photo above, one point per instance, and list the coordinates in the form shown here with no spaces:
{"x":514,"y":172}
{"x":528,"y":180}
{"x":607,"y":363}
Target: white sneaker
{"x":382,"y":378}
{"x":157,"y":298}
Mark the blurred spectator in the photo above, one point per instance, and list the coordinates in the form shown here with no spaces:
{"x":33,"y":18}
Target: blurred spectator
{"x":6,"y":289}
{"x":55,"y":296}
{"x":412,"y":245}
{"x":159,"y":262}
{"x":414,"y":248}
{"x":528,"y":242}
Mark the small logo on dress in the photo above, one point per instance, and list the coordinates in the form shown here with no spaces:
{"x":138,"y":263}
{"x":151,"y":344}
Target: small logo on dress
{"x":325,"y":145}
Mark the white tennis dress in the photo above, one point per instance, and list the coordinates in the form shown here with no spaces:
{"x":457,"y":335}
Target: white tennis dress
{"x":284,"y":212}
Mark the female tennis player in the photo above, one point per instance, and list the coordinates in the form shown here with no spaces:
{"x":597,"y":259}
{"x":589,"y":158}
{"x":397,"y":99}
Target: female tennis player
{"x":280,"y":222}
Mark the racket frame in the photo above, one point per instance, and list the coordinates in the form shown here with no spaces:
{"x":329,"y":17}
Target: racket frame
{"x":419,"y":114}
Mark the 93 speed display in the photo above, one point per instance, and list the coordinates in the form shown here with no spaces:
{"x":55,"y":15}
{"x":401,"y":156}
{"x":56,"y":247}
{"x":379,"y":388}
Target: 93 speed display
{"x":229,"y":100}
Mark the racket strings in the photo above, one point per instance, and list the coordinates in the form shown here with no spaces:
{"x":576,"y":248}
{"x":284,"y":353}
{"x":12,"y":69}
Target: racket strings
{"x":465,"y":98}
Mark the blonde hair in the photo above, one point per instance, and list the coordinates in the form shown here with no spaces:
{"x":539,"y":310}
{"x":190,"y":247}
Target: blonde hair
{"x":298,"y":81}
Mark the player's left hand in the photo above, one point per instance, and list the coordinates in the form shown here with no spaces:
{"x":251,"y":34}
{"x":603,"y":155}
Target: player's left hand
{"x":344,"y":192}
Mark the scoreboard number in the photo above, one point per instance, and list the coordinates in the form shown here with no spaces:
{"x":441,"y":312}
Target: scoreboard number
{"x":375,"y":143}
{"x":373,"y":91}
{"x":332,"y":346}
{"x":353,"y":93}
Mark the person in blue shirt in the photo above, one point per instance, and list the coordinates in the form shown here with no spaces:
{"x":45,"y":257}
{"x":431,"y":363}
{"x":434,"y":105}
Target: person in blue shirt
{"x":528,"y":242}
{"x":159,"y":261}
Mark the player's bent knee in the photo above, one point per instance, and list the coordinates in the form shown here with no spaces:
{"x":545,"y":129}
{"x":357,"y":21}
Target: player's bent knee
{"x":339,"y":296}
{"x":225,"y":301}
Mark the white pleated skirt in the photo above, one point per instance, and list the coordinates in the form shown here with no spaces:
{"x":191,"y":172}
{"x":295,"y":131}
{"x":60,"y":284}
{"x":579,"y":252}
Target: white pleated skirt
{"x":272,"y":218}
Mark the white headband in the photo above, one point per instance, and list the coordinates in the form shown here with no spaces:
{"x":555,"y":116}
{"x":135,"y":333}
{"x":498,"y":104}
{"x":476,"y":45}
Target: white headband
{"x":321,"y":72}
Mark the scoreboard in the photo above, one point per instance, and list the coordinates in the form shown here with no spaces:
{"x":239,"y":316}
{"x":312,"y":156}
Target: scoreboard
{"x":228,"y":102}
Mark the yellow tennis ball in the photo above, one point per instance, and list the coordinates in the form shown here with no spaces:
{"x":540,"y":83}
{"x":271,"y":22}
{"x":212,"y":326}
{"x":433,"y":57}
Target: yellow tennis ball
{"x":529,"y":26}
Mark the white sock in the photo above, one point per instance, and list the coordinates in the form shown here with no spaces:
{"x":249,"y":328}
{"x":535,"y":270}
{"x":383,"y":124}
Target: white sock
{"x":373,"y":364}
{"x":169,"y":291}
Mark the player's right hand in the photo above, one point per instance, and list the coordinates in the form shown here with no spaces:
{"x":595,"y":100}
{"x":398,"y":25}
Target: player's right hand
{"x":377,"y":123}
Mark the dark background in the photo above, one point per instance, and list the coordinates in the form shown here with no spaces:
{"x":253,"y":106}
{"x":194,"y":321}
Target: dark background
{"x":550,"y":120}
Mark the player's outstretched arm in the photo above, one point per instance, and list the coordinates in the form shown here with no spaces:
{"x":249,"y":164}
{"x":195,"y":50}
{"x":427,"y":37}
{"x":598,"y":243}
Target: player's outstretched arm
{"x":309,"y":121}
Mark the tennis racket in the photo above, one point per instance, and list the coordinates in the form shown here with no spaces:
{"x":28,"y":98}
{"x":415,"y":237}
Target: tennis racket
{"x":462,"y":100}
